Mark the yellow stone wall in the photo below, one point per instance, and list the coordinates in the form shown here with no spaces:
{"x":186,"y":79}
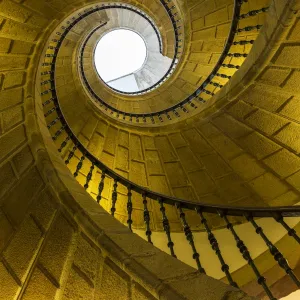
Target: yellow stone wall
{"x":43,"y":209}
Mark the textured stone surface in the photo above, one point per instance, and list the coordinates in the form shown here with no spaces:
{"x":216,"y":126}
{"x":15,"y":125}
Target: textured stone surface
{"x":189,"y":160}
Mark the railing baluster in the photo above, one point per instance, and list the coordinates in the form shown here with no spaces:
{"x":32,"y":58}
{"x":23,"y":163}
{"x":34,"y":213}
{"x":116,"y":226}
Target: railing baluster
{"x":282,"y":262}
{"x":71,"y":154}
{"x":147,"y":218}
{"x":215,"y":246}
{"x":114,"y":197}
{"x":166,"y":225}
{"x":101,"y":186}
{"x":58,"y":133}
{"x":189,"y":236}
{"x":64,"y":144}
{"x":79,"y":166}
{"x":89,"y":176}
{"x":291,"y":231}
{"x":129,"y":208}
{"x":246,"y":255}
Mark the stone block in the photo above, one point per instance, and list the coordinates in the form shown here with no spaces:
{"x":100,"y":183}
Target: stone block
{"x":138,"y":293}
{"x":185,"y":192}
{"x":266,"y":122}
{"x":43,"y":209}
{"x":240,"y":110}
{"x":294,"y":180}
{"x":11,"y":97}
{"x":198,"y":24}
{"x":258,"y":145}
{"x":287,"y":57}
{"x":208,"y":130}
{"x":219,"y":16}
{"x":6,"y":230}
{"x":207,"y":287}
{"x":123,"y":138}
{"x":138,"y":173}
{"x":60,"y":238}
{"x":165,"y":149}
{"x":23,"y":160}
{"x":288,"y":199}
{"x":4,"y":45}
{"x":247,"y":167}
{"x":7,"y":178}
{"x":291,"y":109}
{"x":13,"y":79}
{"x":159,"y":184}
{"x":114,"y":283}
{"x":110,"y":140}
{"x":154,"y":165}
{"x":272,"y":76}
{"x":202,"y":182}
{"x":149,"y":142}
{"x":12,"y":117}
{"x":9,"y":62}
{"x":231,"y":187}
{"x":225,"y":146}
{"x":23,"y":247}
{"x":18,"y":200}
{"x":20,"y":31}
{"x":86,"y":258}
{"x":223,"y":30}
{"x":200,"y":57}
{"x":188,"y":160}
{"x":89,"y":128}
{"x":107,"y":159}
{"x":266,"y":98}
{"x":268,"y":186}
{"x":290,"y":136}
{"x":136,"y":151}
{"x":215,"y":165}
{"x":39,"y":287}
{"x":122,"y":158}
{"x":9,"y":288}
{"x":77,"y":287}
{"x":197,"y":143}
{"x":177,"y":140}
{"x":176,"y":174}
{"x":13,"y":11}
{"x":284,"y":163}
{"x":202,"y":9}
{"x":232,"y":127}
{"x":20,"y":47}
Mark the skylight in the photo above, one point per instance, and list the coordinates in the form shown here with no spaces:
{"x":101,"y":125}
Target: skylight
{"x":118,"y":54}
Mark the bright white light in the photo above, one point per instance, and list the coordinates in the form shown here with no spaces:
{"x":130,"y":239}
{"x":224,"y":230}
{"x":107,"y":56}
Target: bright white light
{"x":119,"y":53}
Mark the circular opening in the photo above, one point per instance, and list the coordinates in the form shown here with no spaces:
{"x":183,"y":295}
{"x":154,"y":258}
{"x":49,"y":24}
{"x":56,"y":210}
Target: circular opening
{"x":118,"y":55}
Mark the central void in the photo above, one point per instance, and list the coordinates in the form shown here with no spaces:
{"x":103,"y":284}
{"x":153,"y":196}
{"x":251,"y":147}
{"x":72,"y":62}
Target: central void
{"x":118,"y":55}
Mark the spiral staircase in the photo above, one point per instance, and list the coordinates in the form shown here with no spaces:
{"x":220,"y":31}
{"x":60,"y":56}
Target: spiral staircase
{"x":186,"y":189}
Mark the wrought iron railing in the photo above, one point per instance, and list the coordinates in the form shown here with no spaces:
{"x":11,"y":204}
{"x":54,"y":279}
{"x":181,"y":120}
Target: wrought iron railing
{"x":68,"y":142}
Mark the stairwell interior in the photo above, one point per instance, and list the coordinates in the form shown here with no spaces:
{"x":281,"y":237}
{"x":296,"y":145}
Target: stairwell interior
{"x":186,"y":189}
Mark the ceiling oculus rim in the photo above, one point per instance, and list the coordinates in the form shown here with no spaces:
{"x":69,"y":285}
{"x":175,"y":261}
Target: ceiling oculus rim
{"x":157,"y":74}
{"x":119,"y":55}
